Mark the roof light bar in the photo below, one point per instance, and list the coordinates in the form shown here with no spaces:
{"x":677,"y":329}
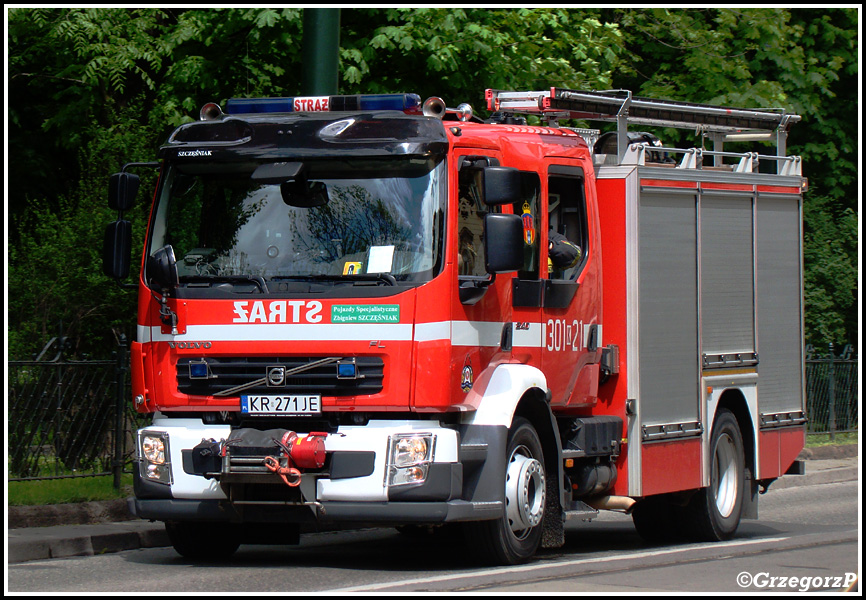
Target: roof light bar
{"x":403,"y":102}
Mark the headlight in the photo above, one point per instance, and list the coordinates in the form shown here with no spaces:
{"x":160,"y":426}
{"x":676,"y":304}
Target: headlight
{"x":153,"y":449}
{"x":155,"y":462}
{"x":411,"y":455}
{"x":410,"y":451}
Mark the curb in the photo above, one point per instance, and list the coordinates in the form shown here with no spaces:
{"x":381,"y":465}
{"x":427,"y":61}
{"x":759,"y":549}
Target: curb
{"x":39,"y":543}
{"x":828,"y":452}
{"x":79,"y":513}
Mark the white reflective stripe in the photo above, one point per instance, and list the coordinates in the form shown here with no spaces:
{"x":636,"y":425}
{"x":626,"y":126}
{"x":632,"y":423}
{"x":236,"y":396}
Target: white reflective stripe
{"x":142,"y":334}
{"x":291,"y":333}
{"x":459,"y":333}
{"x":528,"y":338}
{"x":476,"y":333}
{"x":431,"y":332}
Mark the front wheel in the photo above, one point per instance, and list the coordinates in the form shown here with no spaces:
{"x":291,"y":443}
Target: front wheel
{"x":203,"y":541}
{"x":714,"y":512}
{"x":515,"y":536}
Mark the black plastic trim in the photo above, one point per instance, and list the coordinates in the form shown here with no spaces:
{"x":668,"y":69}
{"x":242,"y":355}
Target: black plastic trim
{"x":527,"y":293}
{"x":148,"y":489}
{"x":559,"y":293}
{"x":379,"y":512}
{"x":444,"y":482}
{"x":347,"y":464}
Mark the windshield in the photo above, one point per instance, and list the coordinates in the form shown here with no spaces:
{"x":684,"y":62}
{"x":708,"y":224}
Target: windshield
{"x":330,"y":220}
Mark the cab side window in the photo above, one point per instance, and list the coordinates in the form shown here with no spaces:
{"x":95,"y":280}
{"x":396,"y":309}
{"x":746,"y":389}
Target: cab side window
{"x":566,"y":204}
{"x":470,"y":224}
{"x":528,"y":208}
{"x":470,"y":220}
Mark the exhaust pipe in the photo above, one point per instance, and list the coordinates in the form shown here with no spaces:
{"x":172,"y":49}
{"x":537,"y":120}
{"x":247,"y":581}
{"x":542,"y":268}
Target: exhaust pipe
{"x":623,"y":503}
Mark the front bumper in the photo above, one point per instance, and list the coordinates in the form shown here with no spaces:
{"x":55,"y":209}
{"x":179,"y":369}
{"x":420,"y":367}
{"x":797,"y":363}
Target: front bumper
{"x":342,"y":512}
{"x":464,"y":480}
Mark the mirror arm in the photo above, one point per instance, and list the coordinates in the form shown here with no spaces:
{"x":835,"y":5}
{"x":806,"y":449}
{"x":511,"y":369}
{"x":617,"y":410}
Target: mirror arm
{"x":472,"y":290}
{"x":154,"y":165}
{"x":166,"y":315}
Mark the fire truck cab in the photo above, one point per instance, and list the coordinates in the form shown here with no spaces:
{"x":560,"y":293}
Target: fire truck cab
{"x":352,"y":310}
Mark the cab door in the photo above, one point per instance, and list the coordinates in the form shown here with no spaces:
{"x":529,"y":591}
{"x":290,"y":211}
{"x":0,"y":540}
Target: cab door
{"x":571,"y":296}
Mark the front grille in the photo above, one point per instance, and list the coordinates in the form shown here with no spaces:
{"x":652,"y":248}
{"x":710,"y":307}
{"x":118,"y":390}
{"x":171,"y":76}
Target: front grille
{"x":224,"y":373}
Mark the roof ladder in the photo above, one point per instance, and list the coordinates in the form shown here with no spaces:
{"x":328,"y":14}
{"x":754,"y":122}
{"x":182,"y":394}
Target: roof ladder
{"x":719,"y":123}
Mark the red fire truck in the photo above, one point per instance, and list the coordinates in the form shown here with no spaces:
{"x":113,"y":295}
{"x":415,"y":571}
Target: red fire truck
{"x":350,"y":312}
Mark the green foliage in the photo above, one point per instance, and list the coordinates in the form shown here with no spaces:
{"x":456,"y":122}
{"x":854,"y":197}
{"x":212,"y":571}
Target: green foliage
{"x":60,"y":491}
{"x":830,"y":256}
{"x":92,"y":88}
{"x":458,"y":53}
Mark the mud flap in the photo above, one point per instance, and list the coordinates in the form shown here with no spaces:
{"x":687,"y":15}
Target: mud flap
{"x":750,"y":498}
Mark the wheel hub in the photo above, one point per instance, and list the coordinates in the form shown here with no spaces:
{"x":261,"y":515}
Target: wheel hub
{"x":524,"y":492}
{"x":725,"y":484}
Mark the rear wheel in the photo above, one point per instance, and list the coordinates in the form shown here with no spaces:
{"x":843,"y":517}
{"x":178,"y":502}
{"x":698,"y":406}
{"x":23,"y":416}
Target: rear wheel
{"x":714,"y":512}
{"x":210,"y":541}
{"x":514,"y":537}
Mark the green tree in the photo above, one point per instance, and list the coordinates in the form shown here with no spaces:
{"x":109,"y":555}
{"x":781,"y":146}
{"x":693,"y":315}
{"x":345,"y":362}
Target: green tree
{"x":458,"y":53}
{"x":802,"y":60}
{"x":92,"y":88}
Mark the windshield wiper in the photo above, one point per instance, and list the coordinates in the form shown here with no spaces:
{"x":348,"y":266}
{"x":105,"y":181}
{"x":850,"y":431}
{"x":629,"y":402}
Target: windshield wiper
{"x":386,"y":278}
{"x":256,"y":279}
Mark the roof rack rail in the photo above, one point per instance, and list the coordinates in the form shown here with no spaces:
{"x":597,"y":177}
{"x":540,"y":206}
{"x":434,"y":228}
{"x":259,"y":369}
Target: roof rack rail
{"x":717,"y":122}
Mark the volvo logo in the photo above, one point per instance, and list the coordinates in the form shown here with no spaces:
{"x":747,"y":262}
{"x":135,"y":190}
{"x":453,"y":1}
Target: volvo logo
{"x":276,"y":376}
{"x":189,"y":345}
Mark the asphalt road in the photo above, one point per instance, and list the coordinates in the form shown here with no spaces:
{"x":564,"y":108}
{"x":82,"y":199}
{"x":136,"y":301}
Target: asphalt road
{"x":806,"y":536}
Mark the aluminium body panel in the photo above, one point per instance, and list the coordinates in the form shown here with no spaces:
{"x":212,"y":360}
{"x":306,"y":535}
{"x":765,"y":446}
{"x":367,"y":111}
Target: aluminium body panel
{"x":727,"y":275}
{"x":780,"y":303}
{"x":667,"y":290}
{"x":707,"y":256}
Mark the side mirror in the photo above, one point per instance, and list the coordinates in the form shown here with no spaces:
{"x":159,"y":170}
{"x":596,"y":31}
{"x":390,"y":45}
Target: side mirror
{"x":122,"y":188}
{"x":501,"y":185}
{"x":162,"y":269}
{"x":116,"y":248}
{"x":503,"y":243}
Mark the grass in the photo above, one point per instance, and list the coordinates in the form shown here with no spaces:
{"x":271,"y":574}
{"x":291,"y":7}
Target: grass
{"x":823,"y":439}
{"x":61,"y":491}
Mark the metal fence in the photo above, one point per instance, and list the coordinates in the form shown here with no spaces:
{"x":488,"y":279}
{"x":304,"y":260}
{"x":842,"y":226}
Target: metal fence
{"x":70,"y":418}
{"x":831,"y":391}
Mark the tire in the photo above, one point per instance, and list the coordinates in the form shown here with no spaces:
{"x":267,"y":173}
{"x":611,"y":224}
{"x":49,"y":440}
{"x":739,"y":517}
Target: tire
{"x":714,"y":513}
{"x":515,"y":536}
{"x":203,"y":541}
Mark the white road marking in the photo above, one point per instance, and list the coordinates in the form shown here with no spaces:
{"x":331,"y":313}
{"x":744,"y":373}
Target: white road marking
{"x":544,"y":566}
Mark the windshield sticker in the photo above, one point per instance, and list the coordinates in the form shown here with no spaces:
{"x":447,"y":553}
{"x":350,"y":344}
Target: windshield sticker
{"x":352,"y":268}
{"x":365,"y":313}
{"x":381,"y":259}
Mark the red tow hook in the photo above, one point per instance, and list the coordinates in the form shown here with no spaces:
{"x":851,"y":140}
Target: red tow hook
{"x":301,"y":453}
{"x":273,"y":465}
